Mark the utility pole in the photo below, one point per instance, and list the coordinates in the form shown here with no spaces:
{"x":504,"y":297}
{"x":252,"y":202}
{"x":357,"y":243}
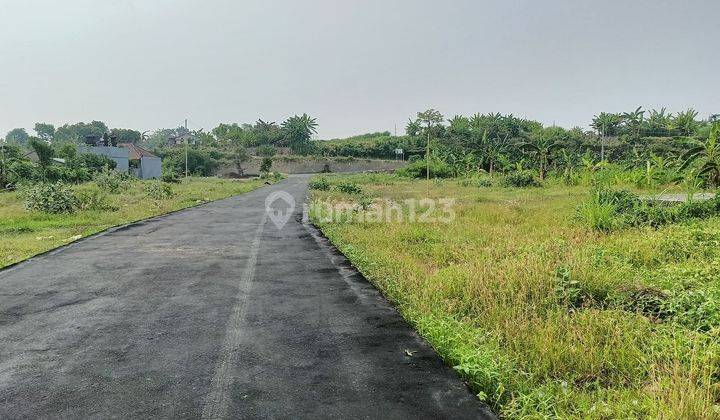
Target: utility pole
{"x":186,"y":149}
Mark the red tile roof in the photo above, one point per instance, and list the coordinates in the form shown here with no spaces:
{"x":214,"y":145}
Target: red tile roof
{"x":137,"y":152}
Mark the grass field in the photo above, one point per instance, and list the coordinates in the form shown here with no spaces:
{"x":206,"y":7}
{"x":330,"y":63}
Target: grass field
{"x":541,"y":315}
{"x":24,"y":234}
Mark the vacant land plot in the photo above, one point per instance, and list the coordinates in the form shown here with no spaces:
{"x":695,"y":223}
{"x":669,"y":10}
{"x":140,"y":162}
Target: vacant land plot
{"x":540,"y":314}
{"x":24,"y":233}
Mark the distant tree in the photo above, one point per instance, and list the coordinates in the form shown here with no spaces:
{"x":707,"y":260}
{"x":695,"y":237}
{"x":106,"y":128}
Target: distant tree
{"x":541,"y":145}
{"x":658,"y":123}
{"x":412,"y":128}
{"x":78,"y":132}
{"x":45,"y":131}
{"x":634,"y":121}
{"x":607,"y":125}
{"x":298,"y":131}
{"x":240,"y":155}
{"x":266,"y":132}
{"x":428,"y":120}
{"x":685,"y":123}
{"x":126,"y":135}
{"x":708,"y":154}
{"x":43,"y":150}
{"x":17,"y":135}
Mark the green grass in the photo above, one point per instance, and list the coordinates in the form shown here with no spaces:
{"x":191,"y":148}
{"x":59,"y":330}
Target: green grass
{"x":24,"y":234}
{"x":543,"y":316}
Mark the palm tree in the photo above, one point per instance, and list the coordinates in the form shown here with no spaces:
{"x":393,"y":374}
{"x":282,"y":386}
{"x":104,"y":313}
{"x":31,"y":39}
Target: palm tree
{"x":542,"y":147}
{"x":298,"y":130}
{"x":607,"y":125}
{"x":709,"y":155}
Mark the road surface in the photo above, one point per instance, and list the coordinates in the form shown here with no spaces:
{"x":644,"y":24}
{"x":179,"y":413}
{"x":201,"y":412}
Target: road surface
{"x":212,"y":312}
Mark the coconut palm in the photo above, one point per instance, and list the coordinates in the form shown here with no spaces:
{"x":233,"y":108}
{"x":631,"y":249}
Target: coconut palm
{"x":708,"y":154}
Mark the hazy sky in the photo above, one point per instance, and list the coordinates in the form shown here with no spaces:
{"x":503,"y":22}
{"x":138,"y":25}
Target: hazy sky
{"x":355,"y":65}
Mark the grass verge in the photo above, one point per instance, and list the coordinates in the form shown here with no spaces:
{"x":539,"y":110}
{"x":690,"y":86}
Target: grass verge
{"x":541,"y":315}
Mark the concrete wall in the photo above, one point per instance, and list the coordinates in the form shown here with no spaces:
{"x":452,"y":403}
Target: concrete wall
{"x":316,"y":165}
{"x":150,"y":167}
{"x":117,"y":154}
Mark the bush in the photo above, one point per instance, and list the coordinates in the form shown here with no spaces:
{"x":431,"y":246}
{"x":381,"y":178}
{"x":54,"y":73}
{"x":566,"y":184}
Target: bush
{"x":112,"y":181}
{"x":53,"y":198}
{"x":419,"y":169}
{"x":159,"y":190}
{"x":520,"y":179}
{"x":170,"y":176}
{"x":320,"y":184}
{"x":349,"y":188}
{"x":266,"y":164}
{"x":476,"y":182}
{"x":94,"y":199}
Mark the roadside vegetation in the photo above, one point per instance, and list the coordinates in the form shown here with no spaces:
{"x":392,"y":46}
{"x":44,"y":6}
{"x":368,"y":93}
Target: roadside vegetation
{"x":41,"y":216}
{"x":562,"y":287}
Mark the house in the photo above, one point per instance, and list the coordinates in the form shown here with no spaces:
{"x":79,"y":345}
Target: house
{"x":129,"y":158}
{"x":118,"y":154}
{"x":143,"y":164}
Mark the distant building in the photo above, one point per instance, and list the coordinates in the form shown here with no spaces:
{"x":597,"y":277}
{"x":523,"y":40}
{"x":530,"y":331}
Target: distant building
{"x":118,"y":154}
{"x":129,"y":158}
{"x":144,"y":164}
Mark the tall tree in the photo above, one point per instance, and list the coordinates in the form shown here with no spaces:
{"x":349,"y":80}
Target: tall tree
{"x":298,"y":131}
{"x":607,"y":125}
{"x":17,"y":135}
{"x":45,"y":131}
{"x":685,"y":123}
{"x":428,"y":120}
{"x":634,"y":121}
{"x":542,"y":144}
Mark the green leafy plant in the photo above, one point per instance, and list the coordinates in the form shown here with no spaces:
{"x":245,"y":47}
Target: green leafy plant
{"x":112,"y":181}
{"x":520,"y":179}
{"x":320,"y":184}
{"x":159,"y":191}
{"x":53,"y":198}
{"x":349,"y":188}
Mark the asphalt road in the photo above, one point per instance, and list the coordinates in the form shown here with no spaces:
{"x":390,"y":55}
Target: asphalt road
{"x":212,"y":312}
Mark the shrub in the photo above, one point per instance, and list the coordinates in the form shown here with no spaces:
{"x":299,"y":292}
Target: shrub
{"x":419,"y":169}
{"x":476,"y":182}
{"x":170,"y":176}
{"x":349,"y":188}
{"x":520,"y":179}
{"x":53,"y":198}
{"x":159,"y":190}
{"x":320,"y":184}
{"x":266,"y":164}
{"x":94,"y":199}
{"x":112,"y":181}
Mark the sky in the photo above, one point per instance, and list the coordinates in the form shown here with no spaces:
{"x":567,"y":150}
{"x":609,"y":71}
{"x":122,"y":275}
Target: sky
{"x":356,"y":65}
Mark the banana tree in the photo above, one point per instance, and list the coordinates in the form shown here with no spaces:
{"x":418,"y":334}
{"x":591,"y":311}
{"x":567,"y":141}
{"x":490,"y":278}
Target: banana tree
{"x":541,"y":147}
{"x":708,"y":154}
